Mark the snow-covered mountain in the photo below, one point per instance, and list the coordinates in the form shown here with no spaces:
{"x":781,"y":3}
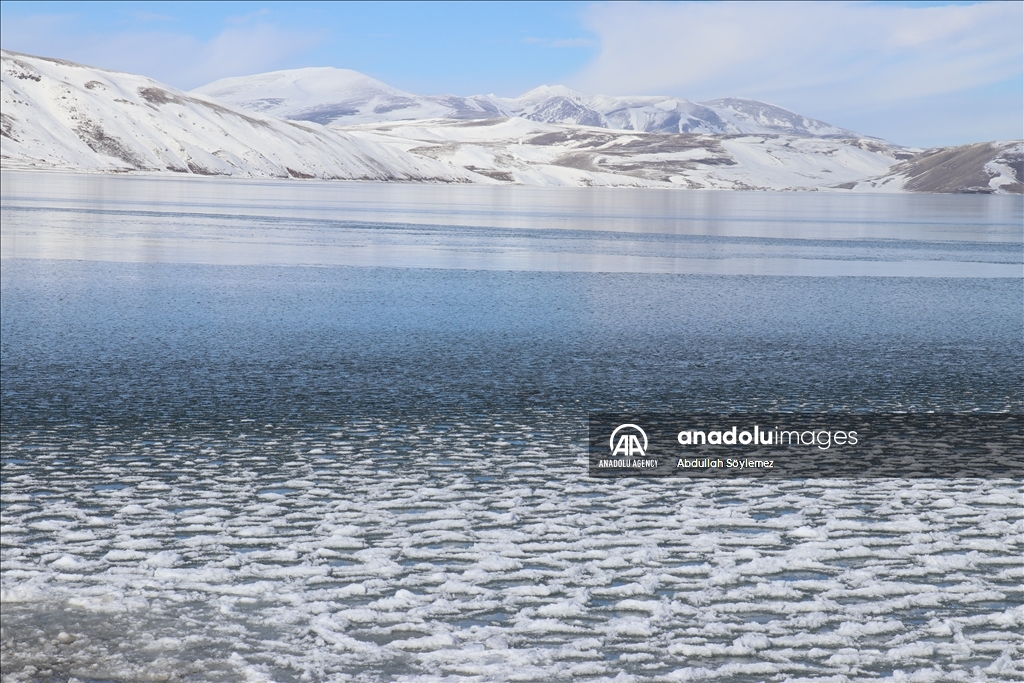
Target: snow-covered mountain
{"x":344,"y":97}
{"x":58,"y":114}
{"x":553,"y":135}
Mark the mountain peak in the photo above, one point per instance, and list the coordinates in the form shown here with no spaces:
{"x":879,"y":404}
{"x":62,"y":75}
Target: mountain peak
{"x":547,"y":91}
{"x":300,"y":88}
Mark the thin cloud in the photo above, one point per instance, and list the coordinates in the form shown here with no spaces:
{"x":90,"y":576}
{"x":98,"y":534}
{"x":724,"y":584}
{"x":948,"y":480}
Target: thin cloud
{"x":145,"y":17}
{"x":177,"y":58}
{"x":852,"y":54}
{"x":573,"y":42}
{"x":239,"y":19}
{"x":561,"y":42}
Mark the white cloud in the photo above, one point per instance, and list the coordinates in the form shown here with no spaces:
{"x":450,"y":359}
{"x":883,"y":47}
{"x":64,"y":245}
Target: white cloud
{"x":246,"y":45}
{"x":823,"y":55}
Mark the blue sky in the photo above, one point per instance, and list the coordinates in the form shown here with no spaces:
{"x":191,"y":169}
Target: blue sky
{"x":915,"y":73}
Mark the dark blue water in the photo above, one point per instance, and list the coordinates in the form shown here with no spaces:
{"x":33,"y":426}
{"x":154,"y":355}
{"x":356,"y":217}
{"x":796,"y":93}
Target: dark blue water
{"x":87,"y":342}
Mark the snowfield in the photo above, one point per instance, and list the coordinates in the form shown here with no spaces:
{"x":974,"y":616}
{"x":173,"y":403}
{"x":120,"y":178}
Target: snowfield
{"x":521,"y":151}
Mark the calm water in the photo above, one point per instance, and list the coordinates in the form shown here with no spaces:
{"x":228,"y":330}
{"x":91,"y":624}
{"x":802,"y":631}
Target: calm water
{"x":336,"y":431}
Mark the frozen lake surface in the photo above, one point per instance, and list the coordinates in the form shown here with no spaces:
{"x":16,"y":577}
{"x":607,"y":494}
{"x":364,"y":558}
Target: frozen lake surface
{"x":336,"y":431}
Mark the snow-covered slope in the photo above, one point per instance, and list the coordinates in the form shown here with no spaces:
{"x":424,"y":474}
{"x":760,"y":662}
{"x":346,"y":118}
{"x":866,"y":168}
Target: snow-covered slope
{"x":58,"y":114}
{"x":980,"y":168}
{"x":346,"y":97}
{"x":523,"y":151}
{"x":752,"y":116}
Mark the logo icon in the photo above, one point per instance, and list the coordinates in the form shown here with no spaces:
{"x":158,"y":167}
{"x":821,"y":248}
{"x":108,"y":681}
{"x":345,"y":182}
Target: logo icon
{"x":628,"y":443}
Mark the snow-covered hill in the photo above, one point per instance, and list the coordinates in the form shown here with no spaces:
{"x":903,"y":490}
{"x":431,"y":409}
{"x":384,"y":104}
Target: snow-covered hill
{"x":518,"y":150}
{"x":345,"y":97}
{"x":327,"y":95}
{"x":58,"y":114}
{"x":980,"y":168}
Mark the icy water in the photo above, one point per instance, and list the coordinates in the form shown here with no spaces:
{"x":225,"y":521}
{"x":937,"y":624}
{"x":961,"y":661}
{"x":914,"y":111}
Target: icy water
{"x":336,"y":432}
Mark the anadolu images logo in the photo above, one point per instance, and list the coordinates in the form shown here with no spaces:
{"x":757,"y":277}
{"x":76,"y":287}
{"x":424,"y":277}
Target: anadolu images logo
{"x":628,"y":443}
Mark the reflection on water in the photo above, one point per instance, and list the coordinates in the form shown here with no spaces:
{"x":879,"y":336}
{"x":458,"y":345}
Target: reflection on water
{"x":233,"y":222}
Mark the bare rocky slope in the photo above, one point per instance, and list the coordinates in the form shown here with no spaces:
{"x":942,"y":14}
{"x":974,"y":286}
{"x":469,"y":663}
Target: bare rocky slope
{"x":981,"y":168}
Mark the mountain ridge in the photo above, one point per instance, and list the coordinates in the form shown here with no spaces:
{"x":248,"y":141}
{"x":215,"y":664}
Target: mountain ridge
{"x":330,"y":96}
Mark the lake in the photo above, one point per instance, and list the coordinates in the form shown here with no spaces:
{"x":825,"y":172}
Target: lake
{"x":313,"y":430}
